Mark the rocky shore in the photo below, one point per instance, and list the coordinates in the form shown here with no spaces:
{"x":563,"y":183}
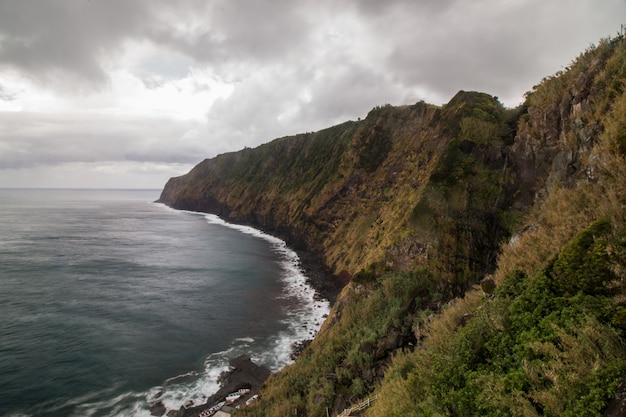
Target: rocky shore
{"x":326,"y":285}
{"x":243,"y":374}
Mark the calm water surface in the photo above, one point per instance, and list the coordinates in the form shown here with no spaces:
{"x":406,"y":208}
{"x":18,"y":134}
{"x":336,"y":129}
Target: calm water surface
{"x":107,"y":298}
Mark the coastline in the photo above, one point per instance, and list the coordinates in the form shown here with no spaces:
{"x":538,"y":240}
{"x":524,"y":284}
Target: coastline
{"x":243,"y":376}
{"x":307,"y":279}
{"x":326,"y":284}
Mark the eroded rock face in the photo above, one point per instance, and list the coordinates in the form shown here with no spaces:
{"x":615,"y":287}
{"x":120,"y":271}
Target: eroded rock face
{"x":552,"y":137}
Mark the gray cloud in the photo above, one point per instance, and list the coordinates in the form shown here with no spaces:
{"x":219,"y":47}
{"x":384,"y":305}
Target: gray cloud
{"x":292,"y":66}
{"x":241,"y":30}
{"x":445,"y":45}
{"x":29,"y":140}
{"x":57,"y":41}
{"x":62,"y":40}
{"x":496,"y":47}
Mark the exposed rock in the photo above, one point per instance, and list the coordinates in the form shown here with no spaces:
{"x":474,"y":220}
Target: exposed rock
{"x":332,"y":377}
{"x":464,"y":319}
{"x":298,"y":347}
{"x":368,"y":348}
{"x":467,"y":146}
{"x":617,"y":406}
{"x":243,"y":374}
{"x":341,"y":402}
{"x":517,"y":235}
{"x":157,"y":409}
{"x":393,"y":340}
{"x":488,"y":285}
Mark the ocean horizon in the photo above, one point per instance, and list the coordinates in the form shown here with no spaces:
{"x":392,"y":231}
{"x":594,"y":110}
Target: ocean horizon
{"x":109,"y":300}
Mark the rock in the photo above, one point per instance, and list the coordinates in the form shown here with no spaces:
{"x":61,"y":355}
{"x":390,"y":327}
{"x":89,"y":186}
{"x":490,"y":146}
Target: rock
{"x":488,"y":285}
{"x":463,"y":320}
{"x":157,"y":409}
{"x":242,"y":374}
{"x":341,"y":402}
{"x":368,"y":375}
{"x":617,"y":406}
{"x":318,"y":399}
{"x":298,"y":347}
{"x":367,"y":347}
{"x":515,"y":239}
{"x":467,"y":146}
{"x":393,"y":339}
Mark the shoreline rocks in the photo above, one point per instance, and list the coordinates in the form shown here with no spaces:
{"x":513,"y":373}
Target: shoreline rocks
{"x":243,"y":374}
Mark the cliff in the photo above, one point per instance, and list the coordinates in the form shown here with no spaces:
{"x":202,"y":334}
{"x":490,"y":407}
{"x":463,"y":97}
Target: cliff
{"x":381,"y":192}
{"x":414,"y":206}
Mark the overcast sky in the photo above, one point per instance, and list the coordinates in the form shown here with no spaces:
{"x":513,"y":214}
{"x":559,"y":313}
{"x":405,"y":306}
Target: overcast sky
{"x":127,"y":93}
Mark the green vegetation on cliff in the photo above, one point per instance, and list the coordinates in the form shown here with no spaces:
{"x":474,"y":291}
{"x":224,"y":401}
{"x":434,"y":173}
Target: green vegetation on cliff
{"x":418,"y":204}
{"x":353,"y":194}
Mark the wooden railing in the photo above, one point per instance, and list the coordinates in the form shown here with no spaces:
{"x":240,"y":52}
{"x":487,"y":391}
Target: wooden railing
{"x":358,"y":407}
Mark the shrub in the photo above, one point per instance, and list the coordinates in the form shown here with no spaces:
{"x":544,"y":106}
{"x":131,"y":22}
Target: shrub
{"x":583,"y":265}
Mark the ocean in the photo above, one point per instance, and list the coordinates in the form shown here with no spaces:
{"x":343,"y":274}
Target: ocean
{"x":108,"y":300}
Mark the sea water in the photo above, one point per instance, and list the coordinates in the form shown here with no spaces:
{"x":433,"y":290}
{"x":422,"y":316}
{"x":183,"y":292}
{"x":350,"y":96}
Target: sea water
{"x":109,"y":300}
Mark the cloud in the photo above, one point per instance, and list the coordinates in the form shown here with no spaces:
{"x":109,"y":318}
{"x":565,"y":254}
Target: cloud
{"x":231,"y":31}
{"x":65,"y":42}
{"x":30,"y":140}
{"x":60,"y":42}
{"x":101,"y":174}
{"x":155,"y":82}
{"x":498,"y":47}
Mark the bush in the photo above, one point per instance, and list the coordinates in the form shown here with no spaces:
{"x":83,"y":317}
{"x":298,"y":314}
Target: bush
{"x":534,"y":349}
{"x":583,"y":265}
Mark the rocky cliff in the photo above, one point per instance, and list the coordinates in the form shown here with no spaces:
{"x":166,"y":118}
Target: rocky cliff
{"x":413,"y":206}
{"x":380,"y":192}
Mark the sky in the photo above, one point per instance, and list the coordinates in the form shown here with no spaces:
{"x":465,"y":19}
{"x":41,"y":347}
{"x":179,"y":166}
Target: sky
{"x":128,"y":93}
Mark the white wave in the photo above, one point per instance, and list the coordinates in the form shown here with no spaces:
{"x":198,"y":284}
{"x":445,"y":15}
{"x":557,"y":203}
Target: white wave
{"x":245,"y":340}
{"x":173,"y":379}
{"x":190,"y":387}
{"x":167,"y":208}
{"x":114,"y":406}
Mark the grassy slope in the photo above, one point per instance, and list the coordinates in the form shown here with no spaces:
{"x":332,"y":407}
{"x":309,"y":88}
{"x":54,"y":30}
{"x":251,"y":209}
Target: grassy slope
{"x":550,"y":339}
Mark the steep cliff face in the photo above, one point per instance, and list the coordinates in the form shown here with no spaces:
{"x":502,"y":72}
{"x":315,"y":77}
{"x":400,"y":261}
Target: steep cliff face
{"x":412,"y":183}
{"x":416,"y":204}
{"x":560,"y":126}
{"x":366,"y":193}
{"x":404,"y":185}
